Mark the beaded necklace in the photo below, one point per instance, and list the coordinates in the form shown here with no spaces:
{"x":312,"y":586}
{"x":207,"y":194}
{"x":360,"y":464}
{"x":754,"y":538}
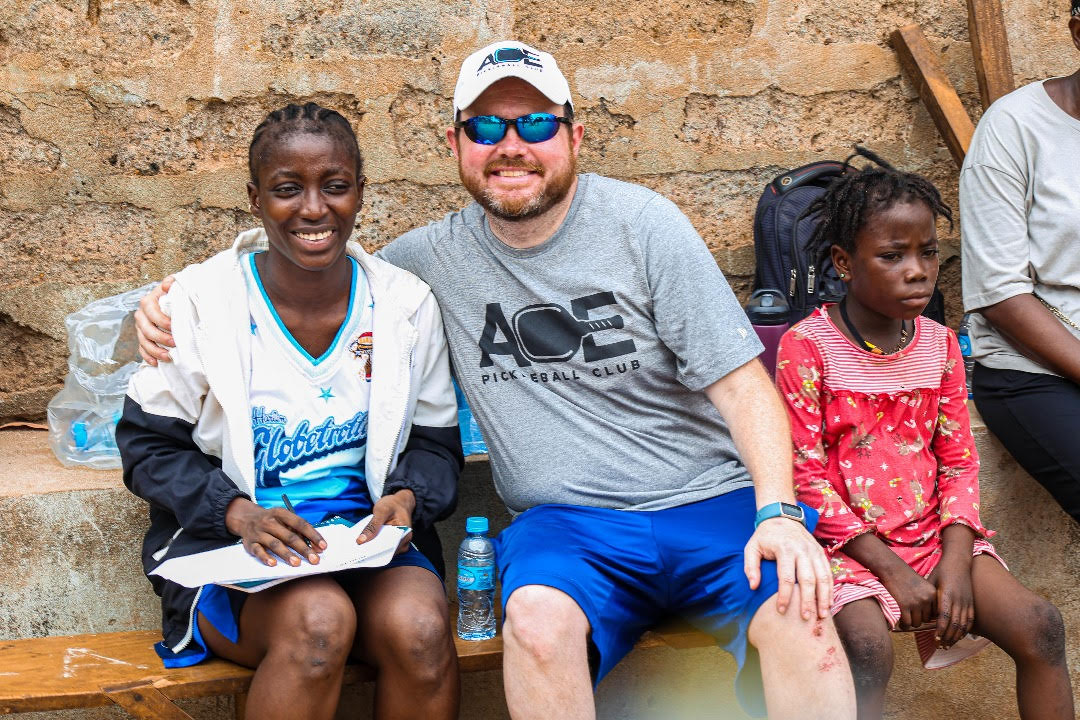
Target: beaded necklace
{"x":866,"y":344}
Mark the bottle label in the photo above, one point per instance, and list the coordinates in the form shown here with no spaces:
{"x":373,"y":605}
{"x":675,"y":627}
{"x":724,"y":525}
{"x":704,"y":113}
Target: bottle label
{"x":965,"y":345}
{"x":475,"y":578}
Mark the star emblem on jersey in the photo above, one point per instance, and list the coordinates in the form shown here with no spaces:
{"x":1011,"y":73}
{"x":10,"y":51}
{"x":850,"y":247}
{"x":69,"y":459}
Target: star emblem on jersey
{"x":325,"y":394}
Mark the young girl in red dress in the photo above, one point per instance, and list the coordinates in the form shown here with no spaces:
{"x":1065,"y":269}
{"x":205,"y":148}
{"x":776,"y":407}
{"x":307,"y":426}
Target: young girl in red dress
{"x":884,"y":452}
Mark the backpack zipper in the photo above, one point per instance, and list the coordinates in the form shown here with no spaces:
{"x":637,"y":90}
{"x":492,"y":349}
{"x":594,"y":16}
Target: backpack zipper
{"x":810,"y":281}
{"x":791,"y":284}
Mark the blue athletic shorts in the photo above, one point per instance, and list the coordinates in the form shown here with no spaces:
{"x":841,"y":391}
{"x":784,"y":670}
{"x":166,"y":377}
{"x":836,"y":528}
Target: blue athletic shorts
{"x":629,"y":569}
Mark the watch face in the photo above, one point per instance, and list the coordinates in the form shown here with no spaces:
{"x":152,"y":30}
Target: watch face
{"x":791,"y":510}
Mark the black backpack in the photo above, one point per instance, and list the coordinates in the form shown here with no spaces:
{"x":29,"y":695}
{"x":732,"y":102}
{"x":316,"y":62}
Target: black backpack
{"x":782,"y":231}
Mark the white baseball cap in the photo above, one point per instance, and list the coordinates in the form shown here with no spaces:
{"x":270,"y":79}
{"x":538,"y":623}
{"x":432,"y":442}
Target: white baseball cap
{"x":509,"y":58}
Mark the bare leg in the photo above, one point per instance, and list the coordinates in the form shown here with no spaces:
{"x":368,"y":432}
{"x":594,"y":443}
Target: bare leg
{"x":803,"y":666}
{"x":545,"y":659}
{"x":297,"y":637}
{"x":404,"y":632}
{"x":865,"y":634}
{"x":1030,"y":630}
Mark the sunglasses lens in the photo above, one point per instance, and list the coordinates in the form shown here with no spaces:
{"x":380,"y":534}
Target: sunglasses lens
{"x":537,"y":127}
{"x":485,"y":129}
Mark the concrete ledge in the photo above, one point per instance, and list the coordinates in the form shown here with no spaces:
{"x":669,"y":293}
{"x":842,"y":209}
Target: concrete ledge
{"x":76,"y":535}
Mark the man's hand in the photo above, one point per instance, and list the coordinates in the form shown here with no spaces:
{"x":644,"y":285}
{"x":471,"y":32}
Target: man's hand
{"x":153,"y":326}
{"x":799,"y":559}
{"x":915,"y":595}
{"x":278,"y":531}
{"x":396,"y":509}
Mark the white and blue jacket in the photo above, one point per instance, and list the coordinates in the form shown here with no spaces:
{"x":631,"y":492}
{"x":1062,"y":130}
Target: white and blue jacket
{"x":185,"y":436}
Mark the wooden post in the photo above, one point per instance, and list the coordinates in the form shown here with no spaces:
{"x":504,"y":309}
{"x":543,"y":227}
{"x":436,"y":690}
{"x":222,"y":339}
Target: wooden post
{"x":990,"y":46}
{"x":924,"y":69}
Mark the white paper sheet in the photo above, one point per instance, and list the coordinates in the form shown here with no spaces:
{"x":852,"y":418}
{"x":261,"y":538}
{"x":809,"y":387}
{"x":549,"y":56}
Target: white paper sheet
{"x":232,"y":564}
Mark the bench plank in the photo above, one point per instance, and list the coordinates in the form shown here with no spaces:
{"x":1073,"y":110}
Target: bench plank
{"x":80,"y":671}
{"x":56,"y":673}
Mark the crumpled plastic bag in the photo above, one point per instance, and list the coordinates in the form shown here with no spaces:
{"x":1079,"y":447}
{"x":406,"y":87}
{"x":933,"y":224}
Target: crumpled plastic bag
{"x":103,"y":355}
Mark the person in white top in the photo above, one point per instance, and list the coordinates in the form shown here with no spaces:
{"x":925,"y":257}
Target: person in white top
{"x":1021,"y":275}
{"x":311,"y":385}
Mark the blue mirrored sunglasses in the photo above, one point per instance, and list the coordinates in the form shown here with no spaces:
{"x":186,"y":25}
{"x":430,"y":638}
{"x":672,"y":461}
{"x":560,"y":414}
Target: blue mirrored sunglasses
{"x":532,"y":128}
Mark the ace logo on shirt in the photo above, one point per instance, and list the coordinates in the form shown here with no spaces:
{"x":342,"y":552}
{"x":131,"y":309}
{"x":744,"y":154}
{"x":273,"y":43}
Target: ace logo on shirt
{"x":548,"y":332}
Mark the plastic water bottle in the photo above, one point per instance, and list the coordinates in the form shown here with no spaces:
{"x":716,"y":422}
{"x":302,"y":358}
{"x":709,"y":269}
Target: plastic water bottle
{"x":91,"y":433}
{"x":964,"y":338}
{"x":476,"y":582}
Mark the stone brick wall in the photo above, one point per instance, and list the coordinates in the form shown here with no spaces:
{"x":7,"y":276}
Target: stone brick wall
{"x":124,"y":123}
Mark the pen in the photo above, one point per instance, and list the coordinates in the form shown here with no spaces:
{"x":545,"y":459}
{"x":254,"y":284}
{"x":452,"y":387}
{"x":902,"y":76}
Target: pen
{"x":288,"y":504}
{"x":290,"y":508}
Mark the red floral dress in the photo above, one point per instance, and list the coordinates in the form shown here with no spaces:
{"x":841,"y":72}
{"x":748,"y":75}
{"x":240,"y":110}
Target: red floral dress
{"x":882,"y":442}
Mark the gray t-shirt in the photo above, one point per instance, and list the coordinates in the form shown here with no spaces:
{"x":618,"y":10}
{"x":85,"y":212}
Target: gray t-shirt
{"x":584,"y":358}
{"x":1020,"y":216}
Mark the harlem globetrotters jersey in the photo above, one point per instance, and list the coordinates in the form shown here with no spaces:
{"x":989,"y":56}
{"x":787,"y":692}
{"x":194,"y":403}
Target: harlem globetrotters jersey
{"x":309,"y":415}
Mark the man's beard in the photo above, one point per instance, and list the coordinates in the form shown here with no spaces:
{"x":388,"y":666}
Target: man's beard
{"x":554,"y":190}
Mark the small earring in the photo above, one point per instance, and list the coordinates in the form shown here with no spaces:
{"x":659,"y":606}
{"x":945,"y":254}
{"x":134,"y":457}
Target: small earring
{"x":842,"y":276}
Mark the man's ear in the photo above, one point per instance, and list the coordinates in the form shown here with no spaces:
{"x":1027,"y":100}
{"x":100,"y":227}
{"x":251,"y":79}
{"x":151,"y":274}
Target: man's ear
{"x":577,"y":132}
{"x":1074,"y":30}
{"x":253,"y":199}
{"x":451,"y":140}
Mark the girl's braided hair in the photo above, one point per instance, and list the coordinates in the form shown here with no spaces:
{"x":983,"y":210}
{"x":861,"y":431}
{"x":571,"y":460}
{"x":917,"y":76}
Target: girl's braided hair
{"x":308,"y":118}
{"x":858,"y":194}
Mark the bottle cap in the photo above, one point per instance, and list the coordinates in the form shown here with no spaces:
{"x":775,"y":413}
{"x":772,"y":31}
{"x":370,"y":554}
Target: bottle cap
{"x":477,"y":524}
{"x":767,"y":307}
{"x":78,"y":434}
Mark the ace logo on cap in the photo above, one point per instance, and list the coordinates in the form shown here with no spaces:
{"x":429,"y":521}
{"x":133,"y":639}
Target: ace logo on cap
{"x":510,"y":59}
{"x":511,"y":55}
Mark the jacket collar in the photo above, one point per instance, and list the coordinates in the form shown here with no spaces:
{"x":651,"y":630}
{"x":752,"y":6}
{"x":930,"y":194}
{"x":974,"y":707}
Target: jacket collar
{"x":403,"y":289}
{"x":398,"y":294}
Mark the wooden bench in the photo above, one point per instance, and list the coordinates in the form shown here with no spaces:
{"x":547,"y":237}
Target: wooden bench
{"x":82,"y":671}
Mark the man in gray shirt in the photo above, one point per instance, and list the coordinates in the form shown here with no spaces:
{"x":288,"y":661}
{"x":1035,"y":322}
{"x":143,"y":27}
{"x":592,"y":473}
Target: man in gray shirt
{"x":632,"y":430}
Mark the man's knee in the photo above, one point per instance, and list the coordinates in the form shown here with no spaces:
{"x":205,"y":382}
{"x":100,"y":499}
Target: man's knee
{"x":543,"y":622}
{"x":769,"y":627}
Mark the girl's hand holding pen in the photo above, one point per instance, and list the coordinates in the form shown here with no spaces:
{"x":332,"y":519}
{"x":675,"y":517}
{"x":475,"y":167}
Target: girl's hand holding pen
{"x":277,"y":531}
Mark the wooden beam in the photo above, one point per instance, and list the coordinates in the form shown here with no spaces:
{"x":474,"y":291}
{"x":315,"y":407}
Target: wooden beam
{"x":924,"y":69}
{"x":144,"y":701}
{"x":990,"y":46}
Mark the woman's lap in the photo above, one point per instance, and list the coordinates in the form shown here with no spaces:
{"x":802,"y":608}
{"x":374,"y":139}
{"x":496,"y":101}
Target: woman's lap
{"x":378,"y":601}
{"x":1035,"y":417}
